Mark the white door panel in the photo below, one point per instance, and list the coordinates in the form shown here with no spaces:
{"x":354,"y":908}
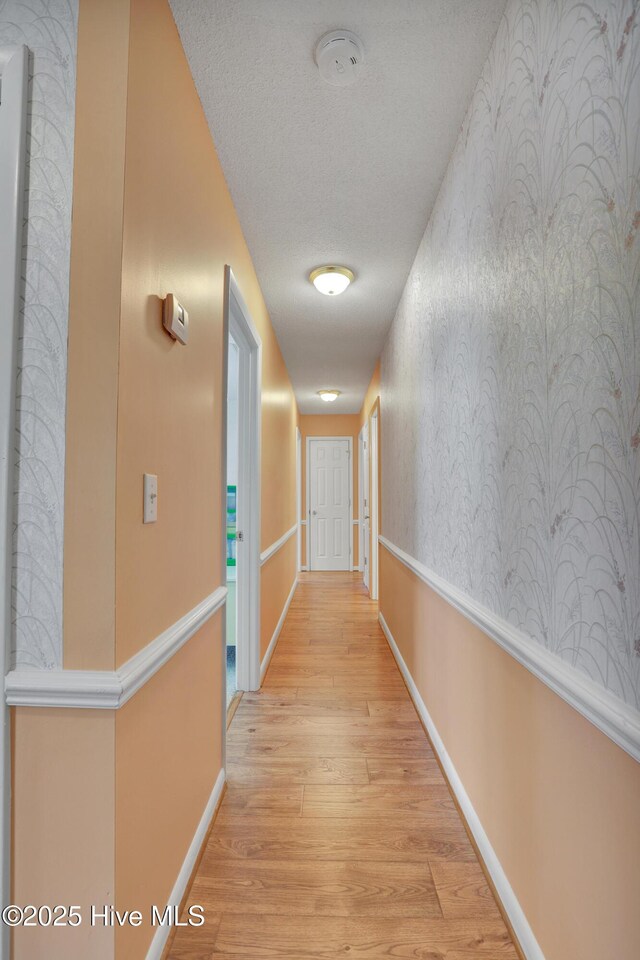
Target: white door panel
{"x":321,"y":552}
{"x":366,"y":525}
{"x":373,"y":502}
{"x":329,"y":504}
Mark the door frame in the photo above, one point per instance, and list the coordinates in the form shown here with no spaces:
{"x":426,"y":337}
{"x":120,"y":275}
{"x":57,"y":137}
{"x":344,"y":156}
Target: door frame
{"x":361,"y":500}
{"x":239,"y":325}
{"x":308,"y":493}
{"x":374,"y":487}
{"x":298,"y":500}
{"x":13,"y":125}
{"x":365,"y":542}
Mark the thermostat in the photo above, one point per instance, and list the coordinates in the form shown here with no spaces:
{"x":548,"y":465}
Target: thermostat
{"x":175,"y":318}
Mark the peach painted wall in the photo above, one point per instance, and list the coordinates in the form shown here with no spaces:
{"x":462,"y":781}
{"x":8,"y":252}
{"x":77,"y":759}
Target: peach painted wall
{"x":558,"y":800}
{"x":330,"y":425}
{"x":63,"y":797}
{"x":137,"y":402}
{"x":180,"y":228}
{"x":168,"y":756}
{"x":279,"y":420}
{"x":94,"y":331}
{"x":63,"y":769}
{"x":123,"y":361}
{"x":372,"y":394}
{"x":276,"y":581}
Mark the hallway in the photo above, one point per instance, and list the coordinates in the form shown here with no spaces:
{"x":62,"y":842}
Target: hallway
{"x":293,"y":290}
{"x":337,"y":833}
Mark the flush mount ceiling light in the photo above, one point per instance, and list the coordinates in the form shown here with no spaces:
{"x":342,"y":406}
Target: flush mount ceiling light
{"x":328,"y":395}
{"x":331,"y":280}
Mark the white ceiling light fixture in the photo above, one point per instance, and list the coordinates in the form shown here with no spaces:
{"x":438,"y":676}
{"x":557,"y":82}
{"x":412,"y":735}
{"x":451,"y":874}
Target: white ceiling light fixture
{"x":331,"y":279}
{"x":339,"y":56}
{"x":328,"y":395}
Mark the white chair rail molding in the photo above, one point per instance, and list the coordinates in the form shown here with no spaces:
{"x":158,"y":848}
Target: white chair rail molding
{"x":108,"y":689}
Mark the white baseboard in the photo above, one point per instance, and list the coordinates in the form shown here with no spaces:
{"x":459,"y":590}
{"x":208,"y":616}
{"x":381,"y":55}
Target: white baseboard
{"x":514,"y":911}
{"x":162,"y":933}
{"x":276,"y":632}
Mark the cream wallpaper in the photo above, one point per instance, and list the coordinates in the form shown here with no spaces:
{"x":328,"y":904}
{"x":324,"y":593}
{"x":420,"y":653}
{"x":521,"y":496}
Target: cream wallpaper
{"x":516,"y":474}
{"x":48,"y":28}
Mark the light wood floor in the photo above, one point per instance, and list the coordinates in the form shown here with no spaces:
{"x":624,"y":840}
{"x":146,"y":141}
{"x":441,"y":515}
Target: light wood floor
{"x":337,"y":836}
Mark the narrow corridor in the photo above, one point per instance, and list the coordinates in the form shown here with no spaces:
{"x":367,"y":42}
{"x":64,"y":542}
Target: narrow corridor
{"x":337,"y":834}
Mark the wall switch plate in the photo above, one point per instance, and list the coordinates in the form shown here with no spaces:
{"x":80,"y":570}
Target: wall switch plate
{"x":175,"y":318}
{"x":150,"y":498}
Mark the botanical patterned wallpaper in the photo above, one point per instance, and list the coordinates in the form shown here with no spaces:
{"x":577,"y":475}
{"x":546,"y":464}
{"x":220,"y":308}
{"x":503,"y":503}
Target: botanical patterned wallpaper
{"x":48,"y":28}
{"x":511,"y":376}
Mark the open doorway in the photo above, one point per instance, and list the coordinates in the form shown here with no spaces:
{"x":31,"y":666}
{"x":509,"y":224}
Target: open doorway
{"x":233,"y":359}
{"x":365,"y":518}
{"x":368,"y":488}
{"x":373,"y":501}
{"x":241,"y":486}
{"x":298,"y":499}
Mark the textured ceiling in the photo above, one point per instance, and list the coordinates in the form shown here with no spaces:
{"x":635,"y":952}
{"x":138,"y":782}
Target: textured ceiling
{"x":323,"y":174}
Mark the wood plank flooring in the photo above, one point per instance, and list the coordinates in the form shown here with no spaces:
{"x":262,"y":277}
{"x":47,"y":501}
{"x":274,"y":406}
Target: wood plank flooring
{"x":337,"y":835}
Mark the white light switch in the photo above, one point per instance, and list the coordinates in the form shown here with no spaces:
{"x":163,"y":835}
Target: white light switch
{"x":150,"y":496}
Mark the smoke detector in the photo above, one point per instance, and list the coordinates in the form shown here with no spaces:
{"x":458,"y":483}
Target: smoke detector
{"x":339,"y":55}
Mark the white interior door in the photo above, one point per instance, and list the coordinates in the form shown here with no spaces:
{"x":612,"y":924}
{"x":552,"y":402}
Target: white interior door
{"x":361,"y":501}
{"x":329,"y":503}
{"x":373,"y":511}
{"x":298,"y":499}
{"x":242,"y":331}
{"x":366,"y":511}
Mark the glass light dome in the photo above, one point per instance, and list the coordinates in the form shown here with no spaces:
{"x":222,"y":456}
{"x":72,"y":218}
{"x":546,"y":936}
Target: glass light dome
{"x":331,"y":280}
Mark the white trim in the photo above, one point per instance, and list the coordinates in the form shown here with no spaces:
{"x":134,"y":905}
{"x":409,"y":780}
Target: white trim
{"x":161,"y":935}
{"x":298,"y":499}
{"x":141,"y":667}
{"x":13,"y":125}
{"x":374,"y":463}
{"x":365,"y":526}
{"x":108,"y":689}
{"x":224,"y":438}
{"x":361,"y":550}
{"x":276,"y":633}
{"x":243,"y":330}
{"x":514,"y":911}
{"x":308,"y":492}
{"x":616,"y":719}
{"x":269,"y":552}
